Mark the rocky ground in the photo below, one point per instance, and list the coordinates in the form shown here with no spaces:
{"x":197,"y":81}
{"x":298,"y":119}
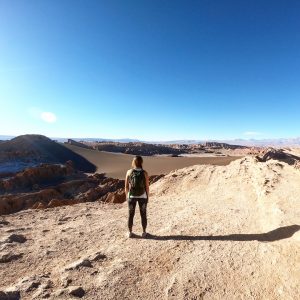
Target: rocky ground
{"x":216,"y":232}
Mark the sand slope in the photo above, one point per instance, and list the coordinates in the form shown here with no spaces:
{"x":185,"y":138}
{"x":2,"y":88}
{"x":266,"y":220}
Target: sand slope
{"x":116,"y":164}
{"x":218,"y":232}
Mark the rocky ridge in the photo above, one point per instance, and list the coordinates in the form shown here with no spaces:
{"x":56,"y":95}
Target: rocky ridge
{"x":147,"y":149}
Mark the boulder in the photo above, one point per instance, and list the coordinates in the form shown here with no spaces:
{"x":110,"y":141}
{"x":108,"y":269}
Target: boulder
{"x":76,"y":291}
{"x":8,"y":257}
{"x":17,"y":238}
{"x":10,"y":295}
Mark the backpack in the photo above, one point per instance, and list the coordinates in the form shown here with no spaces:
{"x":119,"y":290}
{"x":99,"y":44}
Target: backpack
{"x":137,"y":182}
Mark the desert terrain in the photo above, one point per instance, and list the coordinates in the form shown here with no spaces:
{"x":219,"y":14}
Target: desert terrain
{"x":150,"y":149}
{"x":116,"y":164}
{"x":30,"y":150}
{"x":37,"y":172}
{"x":215,"y":232}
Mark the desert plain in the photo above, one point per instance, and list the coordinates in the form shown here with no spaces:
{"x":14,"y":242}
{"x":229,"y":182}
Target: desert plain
{"x":228,"y":230}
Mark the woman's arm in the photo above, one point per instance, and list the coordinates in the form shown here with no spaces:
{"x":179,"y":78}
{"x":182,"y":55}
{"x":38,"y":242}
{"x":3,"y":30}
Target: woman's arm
{"x":126,"y":185}
{"x":147,"y":183}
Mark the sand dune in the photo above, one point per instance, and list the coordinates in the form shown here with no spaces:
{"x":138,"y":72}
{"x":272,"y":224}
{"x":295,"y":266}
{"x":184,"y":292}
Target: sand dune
{"x":116,"y":164}
{"x":217,"y":232}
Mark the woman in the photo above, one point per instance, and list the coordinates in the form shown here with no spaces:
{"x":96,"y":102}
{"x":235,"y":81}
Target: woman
{"x":137,"y":190}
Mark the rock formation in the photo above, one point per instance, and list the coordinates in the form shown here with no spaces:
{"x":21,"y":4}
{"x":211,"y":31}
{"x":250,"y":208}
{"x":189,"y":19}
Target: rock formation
{"x":216,"y":145}
{"x":278,"y":154}
{"x":32,"y":178}
{"x":137,"y":148}
{"x":48,"y":186}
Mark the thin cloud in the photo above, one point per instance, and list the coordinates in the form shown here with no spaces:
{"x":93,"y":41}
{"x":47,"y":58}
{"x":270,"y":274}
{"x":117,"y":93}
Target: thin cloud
{"x":252,"y":133}
{"x":48,"y":117}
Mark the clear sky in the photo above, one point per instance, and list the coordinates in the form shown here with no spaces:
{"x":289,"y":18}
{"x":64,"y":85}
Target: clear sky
{"x":153,"y":70}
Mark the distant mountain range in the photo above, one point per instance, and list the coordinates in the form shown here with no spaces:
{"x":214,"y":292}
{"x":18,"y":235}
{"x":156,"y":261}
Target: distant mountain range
{"x":8,"y":137}
{"x":280,"y":142}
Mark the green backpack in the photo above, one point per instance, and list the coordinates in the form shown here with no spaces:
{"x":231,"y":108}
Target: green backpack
{"x":137,"y":183}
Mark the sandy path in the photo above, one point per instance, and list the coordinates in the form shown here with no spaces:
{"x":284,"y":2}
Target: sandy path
{"x":116,"y":164}
{"x":218,"y":232}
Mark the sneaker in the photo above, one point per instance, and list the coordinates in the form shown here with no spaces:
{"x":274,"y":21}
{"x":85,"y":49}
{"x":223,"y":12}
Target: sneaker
{"x":144,"y":234}
{"x":130,"y":234}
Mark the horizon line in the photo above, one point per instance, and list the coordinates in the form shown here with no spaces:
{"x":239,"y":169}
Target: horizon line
{"x":153,"y":140}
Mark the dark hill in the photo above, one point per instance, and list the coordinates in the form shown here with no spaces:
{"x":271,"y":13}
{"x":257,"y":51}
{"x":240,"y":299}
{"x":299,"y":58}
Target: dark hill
{"x":40,"y":149}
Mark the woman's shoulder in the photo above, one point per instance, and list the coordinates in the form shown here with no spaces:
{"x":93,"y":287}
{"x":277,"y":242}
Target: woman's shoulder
{"x":129,"y":172}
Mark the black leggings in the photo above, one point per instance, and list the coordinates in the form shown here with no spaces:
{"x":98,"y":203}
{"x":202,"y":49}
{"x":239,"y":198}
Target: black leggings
{"x":143,"y":211}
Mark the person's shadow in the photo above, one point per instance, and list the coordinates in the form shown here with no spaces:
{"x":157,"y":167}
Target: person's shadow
{"x":271,"y":236}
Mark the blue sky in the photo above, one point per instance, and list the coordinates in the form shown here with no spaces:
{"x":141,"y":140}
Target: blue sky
{"x":153,"y":70}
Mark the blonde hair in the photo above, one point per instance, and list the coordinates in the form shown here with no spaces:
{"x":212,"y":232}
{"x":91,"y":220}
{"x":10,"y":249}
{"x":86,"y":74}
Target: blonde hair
{"x":137,"y":162}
